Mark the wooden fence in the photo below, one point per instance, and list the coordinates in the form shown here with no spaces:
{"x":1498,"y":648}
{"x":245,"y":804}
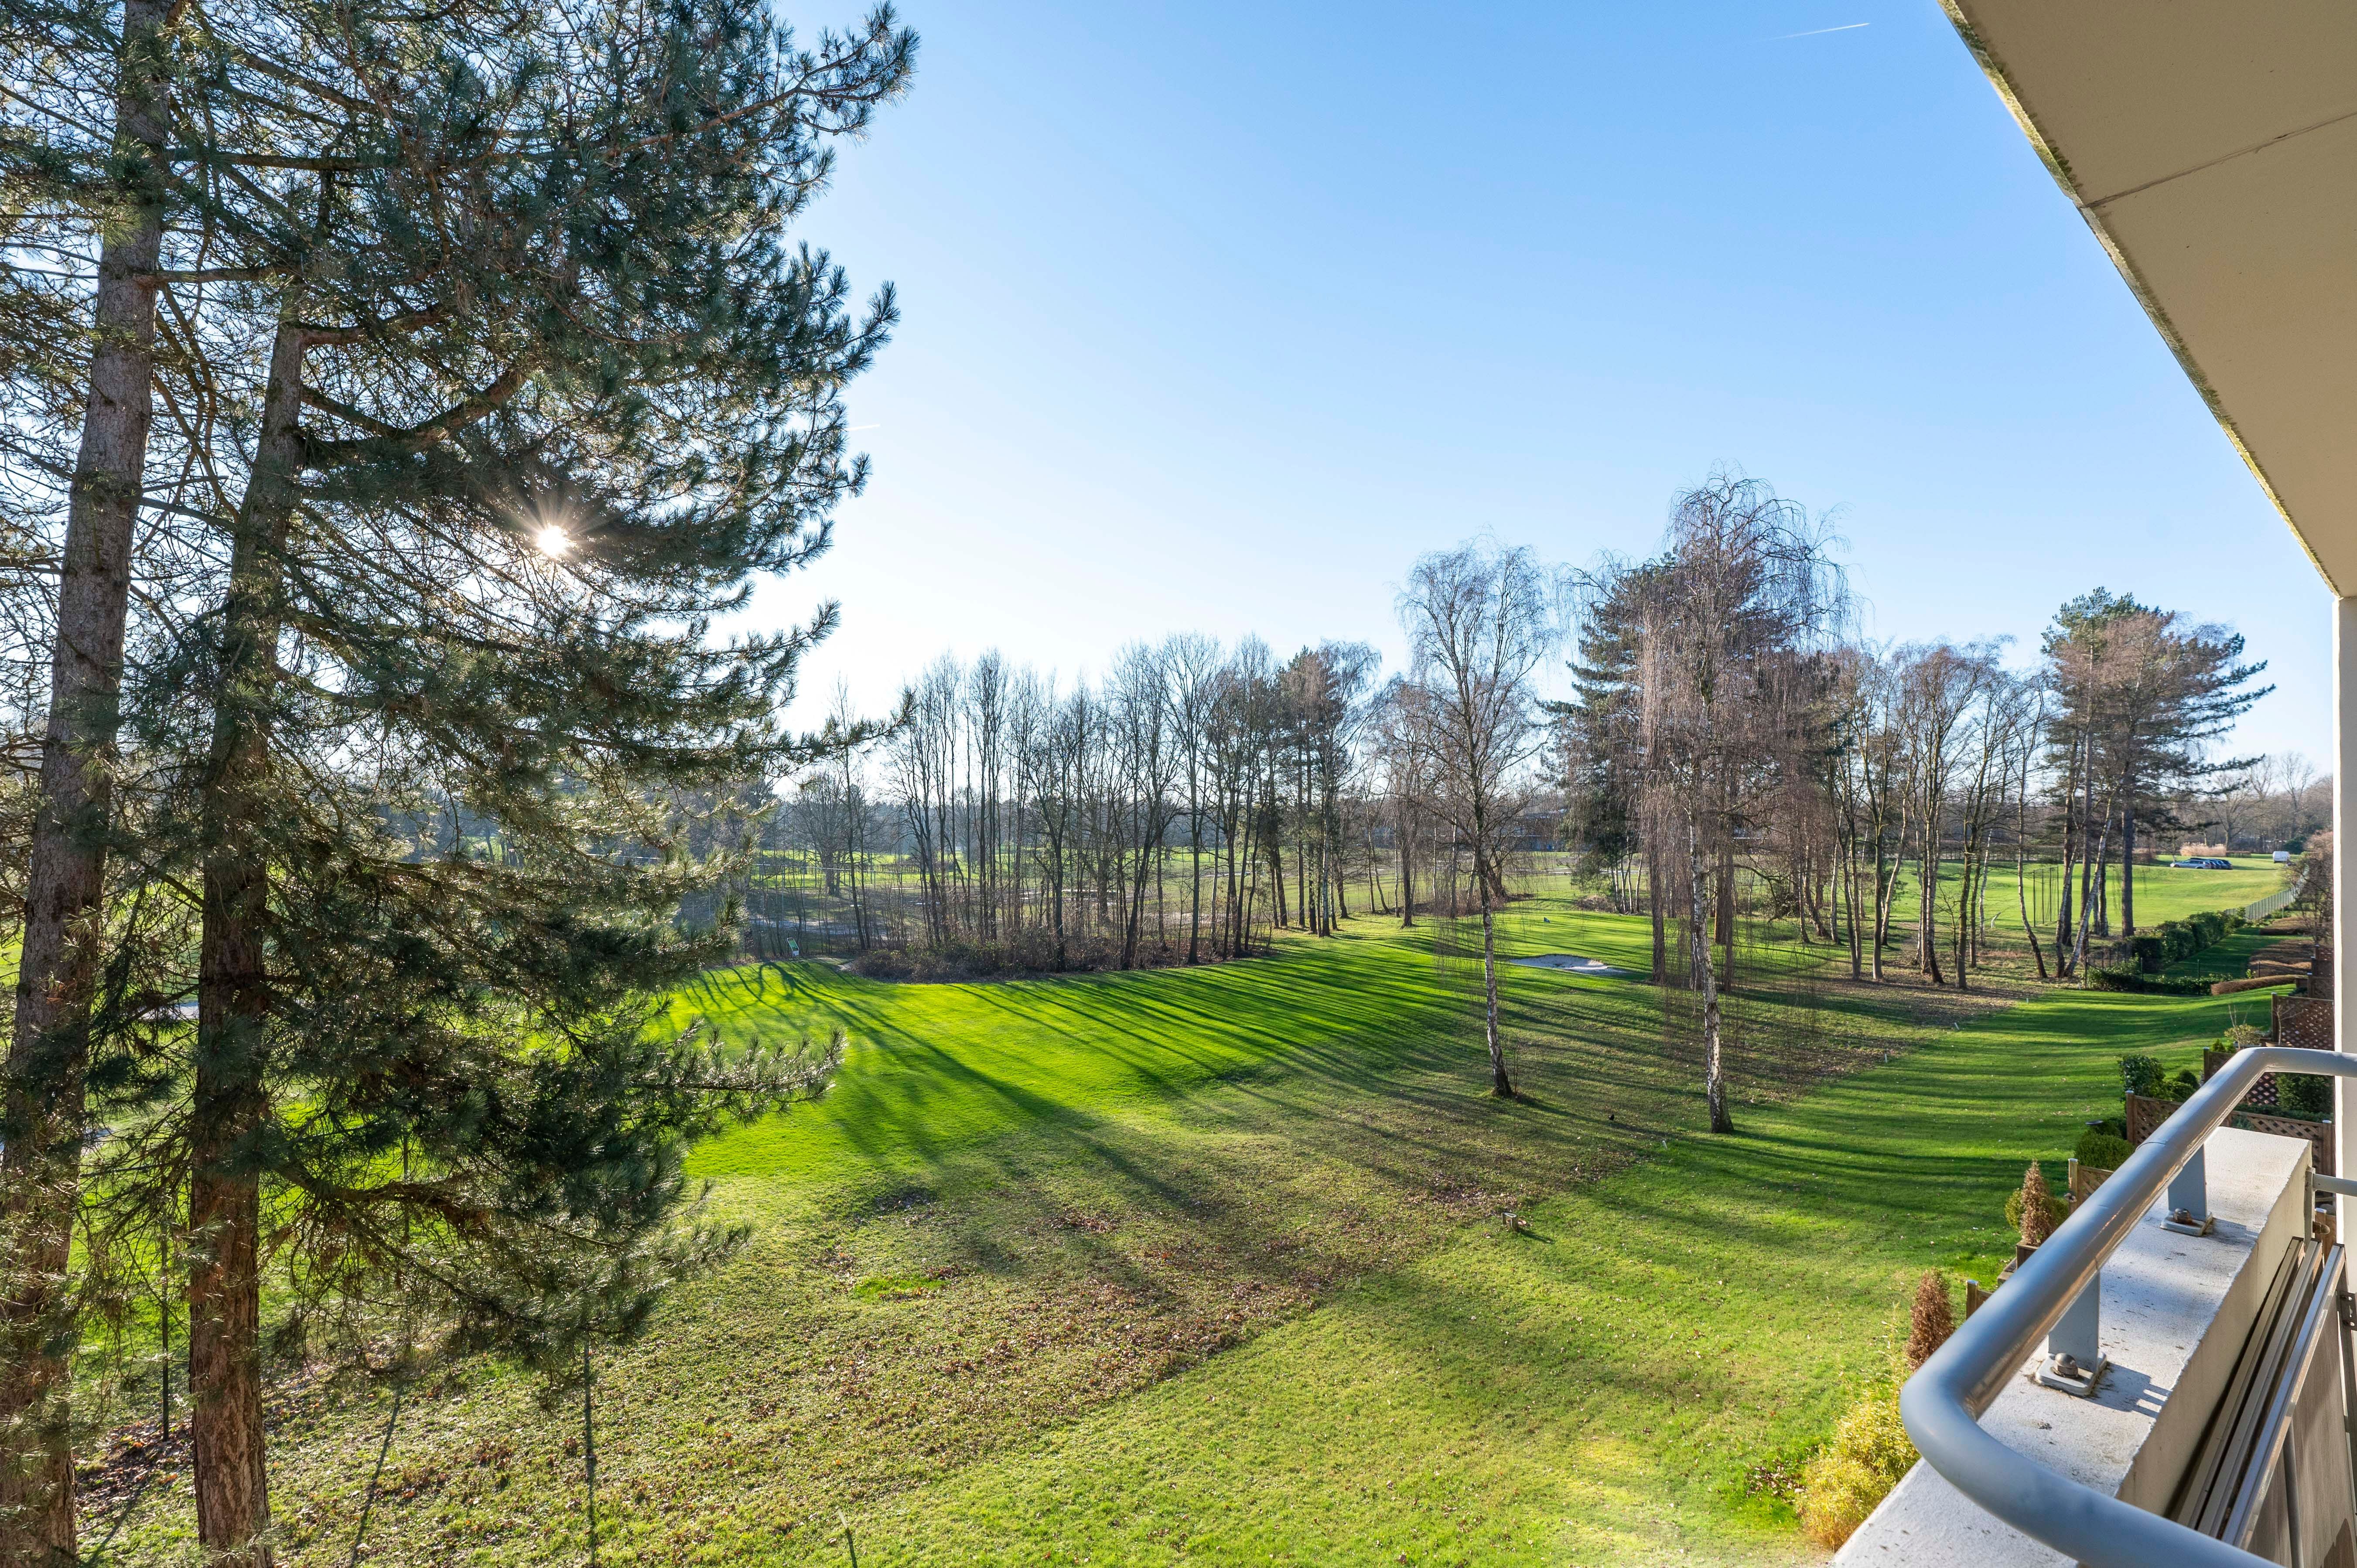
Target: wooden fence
{"x":2144,"y":1112}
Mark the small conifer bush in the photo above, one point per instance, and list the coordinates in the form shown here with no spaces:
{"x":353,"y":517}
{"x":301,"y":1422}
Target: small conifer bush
{"x":1931,"y":1320}
{"x":2034,"y":1209}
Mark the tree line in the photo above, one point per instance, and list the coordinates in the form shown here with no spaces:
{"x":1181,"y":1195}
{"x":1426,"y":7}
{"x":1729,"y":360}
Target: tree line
{"x":1730,"y":751}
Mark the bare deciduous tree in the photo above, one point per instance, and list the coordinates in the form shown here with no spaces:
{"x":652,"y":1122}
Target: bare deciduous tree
{"x":1735,"y":612}
{"x":1480,"y":619}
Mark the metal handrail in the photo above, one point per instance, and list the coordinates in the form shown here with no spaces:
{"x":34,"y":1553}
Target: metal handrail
{"x":1941,"y":1404}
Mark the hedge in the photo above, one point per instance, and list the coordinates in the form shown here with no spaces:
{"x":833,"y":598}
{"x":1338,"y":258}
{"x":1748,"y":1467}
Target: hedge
{"x":2177,"y":940}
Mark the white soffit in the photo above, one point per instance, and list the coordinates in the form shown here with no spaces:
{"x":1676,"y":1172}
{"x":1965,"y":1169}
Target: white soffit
{"x":2212,"y":144}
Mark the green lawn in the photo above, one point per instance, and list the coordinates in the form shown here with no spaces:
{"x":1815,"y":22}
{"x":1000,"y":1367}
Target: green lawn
{"x":1206,"y":1266}
{"x":2162,"y":893}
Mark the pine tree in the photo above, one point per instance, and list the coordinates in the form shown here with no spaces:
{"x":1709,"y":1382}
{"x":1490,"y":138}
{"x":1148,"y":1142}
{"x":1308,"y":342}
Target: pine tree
{"x":545,"y":389}
{"x":2143,"y":693}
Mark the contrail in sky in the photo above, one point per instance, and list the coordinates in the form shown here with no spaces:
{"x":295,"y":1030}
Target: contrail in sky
{"x":1815,"y":32}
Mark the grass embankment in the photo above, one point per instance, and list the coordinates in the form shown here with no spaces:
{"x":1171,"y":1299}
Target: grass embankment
{"x":1203,"y":1265}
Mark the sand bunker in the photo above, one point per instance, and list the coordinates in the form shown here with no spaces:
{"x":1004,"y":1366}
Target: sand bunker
{"x":1574,"y":962}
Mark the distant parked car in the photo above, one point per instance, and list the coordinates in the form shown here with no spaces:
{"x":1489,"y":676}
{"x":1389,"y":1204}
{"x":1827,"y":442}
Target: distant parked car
{"x":2283,"y":858}
{"x":2201,"y":862}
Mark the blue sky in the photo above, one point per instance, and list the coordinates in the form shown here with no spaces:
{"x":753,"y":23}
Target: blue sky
{"x":1216,"y":315}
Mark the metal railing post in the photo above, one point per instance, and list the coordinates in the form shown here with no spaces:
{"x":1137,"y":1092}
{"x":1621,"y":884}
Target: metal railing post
{"x":2079,"y":1332}
{"x":2189,"y":1197}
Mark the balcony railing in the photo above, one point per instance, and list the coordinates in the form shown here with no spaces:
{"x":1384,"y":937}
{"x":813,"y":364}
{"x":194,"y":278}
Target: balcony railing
{"x":2275,"y":1459}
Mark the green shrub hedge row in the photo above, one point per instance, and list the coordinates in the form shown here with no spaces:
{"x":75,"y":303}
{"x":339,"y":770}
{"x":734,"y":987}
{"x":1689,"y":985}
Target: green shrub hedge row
{"x":2179,"y":939}
{"x":2123,"y":978}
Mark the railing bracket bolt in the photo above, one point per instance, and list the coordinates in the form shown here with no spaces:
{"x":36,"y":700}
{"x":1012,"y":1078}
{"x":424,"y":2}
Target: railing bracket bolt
{"x":2072,"y":1376}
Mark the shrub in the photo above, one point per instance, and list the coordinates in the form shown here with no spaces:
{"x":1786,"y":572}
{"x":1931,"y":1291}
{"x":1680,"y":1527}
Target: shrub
{"x":2033,"y":1210}
{"x":2177,"y":940}
{"x":2124,"y":977}
{"x":2056,"y":1211}
{"x":2141,"y":1074}
{"x":2242,"y":1036}
{"x":1850,"y":1475}
{"x":2304,"y":1094}
{"x":2115,"y":1125}
{"x":1931,"y":1320}
{"x":2181,"y":1085}
{"x":2103,"y":1150}
{"x":2171,"y":942}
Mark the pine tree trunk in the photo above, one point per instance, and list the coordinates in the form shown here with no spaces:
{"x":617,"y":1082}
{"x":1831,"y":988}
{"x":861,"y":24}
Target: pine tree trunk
{"x":2090,"y":871}
{"x":1301,"y":882}
{"x":2127,"y":862}
{"x":1276,"y":879}
{"x":2064,"y":956}
{"x":2104,"y":898}
{"x":2091,"y":867}
{"x":1238,"y":848}
{"x":233,"y":1003}
{"x":1341,"y":909}
{"x":41,"y":1121}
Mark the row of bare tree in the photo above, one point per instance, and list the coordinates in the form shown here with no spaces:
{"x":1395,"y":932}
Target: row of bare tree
{"x":1191,"y":799}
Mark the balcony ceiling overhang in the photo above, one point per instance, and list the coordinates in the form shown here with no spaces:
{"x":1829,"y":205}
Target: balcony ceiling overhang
{"x":2212,"y":145}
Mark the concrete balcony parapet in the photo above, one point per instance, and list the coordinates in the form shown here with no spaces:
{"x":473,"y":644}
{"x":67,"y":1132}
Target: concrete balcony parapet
{"x":2176,"y":1312}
